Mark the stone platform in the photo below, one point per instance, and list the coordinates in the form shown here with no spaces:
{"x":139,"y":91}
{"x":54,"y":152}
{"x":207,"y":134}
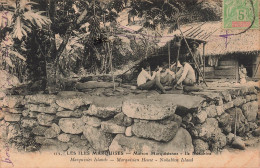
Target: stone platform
{"x":141,"y":121}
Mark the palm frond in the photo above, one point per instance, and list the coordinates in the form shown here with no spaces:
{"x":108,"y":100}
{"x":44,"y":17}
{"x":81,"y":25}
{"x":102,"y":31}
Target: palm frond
{"x":17,"y":55}
{"x":18,"y":29}
{"x":9,"y":62}
{"x":36,"y":18}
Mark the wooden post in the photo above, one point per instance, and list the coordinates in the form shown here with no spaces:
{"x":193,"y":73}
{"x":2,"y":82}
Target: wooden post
{"x":169,"y":54}
{"x":111,"y":65}
{"x":178,"y":55}
{"x":204,"y":60}
{"x":196,"y":65}
{"x":236,"y":71}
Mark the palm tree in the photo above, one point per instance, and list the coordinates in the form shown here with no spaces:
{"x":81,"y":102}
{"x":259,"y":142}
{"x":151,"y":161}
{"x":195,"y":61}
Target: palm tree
{"x":27,"y":20}
{"x":167,"y":12}
{"x":22,"y":21}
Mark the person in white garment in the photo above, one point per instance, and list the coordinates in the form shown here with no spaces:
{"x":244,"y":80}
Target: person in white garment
{"x":146,"y":82}
{"x":242,"y":74}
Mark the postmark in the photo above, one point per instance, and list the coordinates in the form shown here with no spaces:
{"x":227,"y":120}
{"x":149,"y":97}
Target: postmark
{"x":240,"y":14}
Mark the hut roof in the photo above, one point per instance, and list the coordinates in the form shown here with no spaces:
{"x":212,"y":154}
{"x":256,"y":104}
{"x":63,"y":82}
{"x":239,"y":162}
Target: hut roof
{"x":214,"y":35}
{"x":211,"y":33}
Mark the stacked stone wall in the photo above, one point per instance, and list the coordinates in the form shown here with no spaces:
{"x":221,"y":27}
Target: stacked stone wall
{"x":201,"y":122}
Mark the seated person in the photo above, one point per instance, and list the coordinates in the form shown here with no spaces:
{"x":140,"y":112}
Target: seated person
{"x":145,"y":81}
{"x":179,"y":69}
{"x":185,"y":76}
{"x":167,"y":75}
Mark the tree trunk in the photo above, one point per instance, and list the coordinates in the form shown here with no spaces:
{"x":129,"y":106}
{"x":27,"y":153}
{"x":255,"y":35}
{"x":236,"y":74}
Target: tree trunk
{"x":51,"y":55}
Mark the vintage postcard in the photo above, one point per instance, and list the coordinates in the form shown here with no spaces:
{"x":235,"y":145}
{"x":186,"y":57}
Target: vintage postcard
{"x":129,"y":83}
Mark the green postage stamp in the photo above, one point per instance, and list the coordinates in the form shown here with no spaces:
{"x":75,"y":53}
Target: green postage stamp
{"x":240,"y":14}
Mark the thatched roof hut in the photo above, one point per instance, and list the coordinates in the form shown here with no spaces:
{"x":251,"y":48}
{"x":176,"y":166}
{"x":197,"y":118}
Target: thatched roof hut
{"x":224,"y":49}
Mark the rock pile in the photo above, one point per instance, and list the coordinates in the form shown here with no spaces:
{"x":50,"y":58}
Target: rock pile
{"x":200,"y":123}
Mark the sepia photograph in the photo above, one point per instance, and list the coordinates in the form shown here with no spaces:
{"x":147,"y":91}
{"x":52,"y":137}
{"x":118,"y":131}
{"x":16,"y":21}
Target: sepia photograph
{"x":129,"y":83}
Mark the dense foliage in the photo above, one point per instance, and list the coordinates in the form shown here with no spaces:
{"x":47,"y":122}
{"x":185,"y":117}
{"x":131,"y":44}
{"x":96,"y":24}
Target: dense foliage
{"x":53,"y":39}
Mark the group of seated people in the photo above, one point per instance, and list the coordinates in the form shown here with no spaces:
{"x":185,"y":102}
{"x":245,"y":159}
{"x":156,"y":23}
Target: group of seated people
{"x":165,"y":76}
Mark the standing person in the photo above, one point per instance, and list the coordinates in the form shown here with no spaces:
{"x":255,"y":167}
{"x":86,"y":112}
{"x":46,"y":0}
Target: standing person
{"x":242,"y":74}
{"x":187,"y":75}
{"x":145,"y":81}
{"x":197,"y":57}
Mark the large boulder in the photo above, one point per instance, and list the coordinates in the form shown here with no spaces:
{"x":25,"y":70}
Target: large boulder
{"x":148,"y":109}
{"x":12,"y":117}
{"x":39,"y":130}
{"x":92,"y":121}
{"x":71,"y":125}
{"x":52,"y":132}
{"x":155,"y":130}
{"x":45,"y":119}
{"x":220,"y":110}
{"x":210,"y":132}
{"x":228,"y":105}
{"x":13,"y":101}
{"x":40,"y":99}
{"x":64,"y":113}
{"x":2,"y":95}
{"x":29,"y":123}
{"x":2,"y":115}
{"x":64,"y":137}
{"x":200,"y":146}
{"x":226,"y":95}
{"x":13,"y":110}
{"x":159,"y":107}
{"x":122,"y":120}
{"x":250,"y":110}
{"x":41,"y":109}
{"x":253,"y":97}
{"x":98,"y":139}
{"x":218,"y":142}
{"x":73,"y":103}
{"x":256,"y":132}
{"x":104,"y":109}
{"x":239,"y":101}
{"x":13,"y":131}
{"x":208,"y":129}
{"x":111,"y":127}
{"x":224,"y":120}
{"x":51,"y":144}
{"x":76,"y":113}
{"x":211,"y":111}
{"x":201,"y":116}
{"x":102,"y":112}
{"x":181,"y":143}
{"x":248,"y":98}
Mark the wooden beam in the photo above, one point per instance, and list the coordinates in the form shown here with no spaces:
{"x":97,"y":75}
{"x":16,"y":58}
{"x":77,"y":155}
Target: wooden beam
{"x":204,"y":60}
{"x":195,"y":39}
{"x":236,"y":71}
{"x":169,"y":54}
{"x":111,"y":64}
{"x":178,"y":55}
{"x":196,"y":65}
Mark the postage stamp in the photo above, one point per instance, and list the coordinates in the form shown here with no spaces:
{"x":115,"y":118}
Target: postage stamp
{"x":240,"y":14}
